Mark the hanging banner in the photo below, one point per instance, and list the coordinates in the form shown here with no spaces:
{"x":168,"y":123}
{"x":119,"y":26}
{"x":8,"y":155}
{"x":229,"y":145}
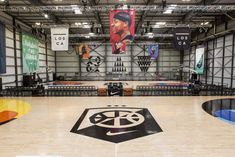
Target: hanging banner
{"x":182,"y":38}
{"x":153,"y":51}
{"x":30,"y":53}
{"x":122,"y":29}
{"x":2,"y":49}
{"x":84,"y":51}
{"x":60,"y":39}
{"x":199,"y":65}
{"x":144,"y":63}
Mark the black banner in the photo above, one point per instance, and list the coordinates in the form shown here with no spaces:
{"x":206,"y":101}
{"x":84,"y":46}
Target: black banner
{"x":2,"y":49}
{"x":182,"y":38}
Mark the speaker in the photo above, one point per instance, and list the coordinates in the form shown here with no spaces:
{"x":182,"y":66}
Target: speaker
{"x":28,"y":81}
{"x":54,"y":76}
{"x":0,"y":83}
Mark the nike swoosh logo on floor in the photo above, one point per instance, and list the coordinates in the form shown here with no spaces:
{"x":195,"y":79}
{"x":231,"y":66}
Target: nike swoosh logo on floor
{"x":112,"y":93}
{"x":109,"y":133}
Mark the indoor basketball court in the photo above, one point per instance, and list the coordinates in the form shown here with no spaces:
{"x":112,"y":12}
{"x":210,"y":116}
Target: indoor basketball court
{"x":126,"y":78}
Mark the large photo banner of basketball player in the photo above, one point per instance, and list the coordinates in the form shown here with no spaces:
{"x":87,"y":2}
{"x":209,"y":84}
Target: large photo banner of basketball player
{"x":122,"y":29}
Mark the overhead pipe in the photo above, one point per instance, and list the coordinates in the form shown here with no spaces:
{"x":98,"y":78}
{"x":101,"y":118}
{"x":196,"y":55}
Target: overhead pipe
{"x":214,"y":36}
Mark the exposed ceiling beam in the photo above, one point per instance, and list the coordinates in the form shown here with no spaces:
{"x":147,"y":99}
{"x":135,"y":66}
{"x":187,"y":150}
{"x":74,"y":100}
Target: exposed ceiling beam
{"x":51,"y":16}
{"x":7,"y":22}
{"x":191,"y":14}
{"x":144,"y":14}
{"x":97,"y":16}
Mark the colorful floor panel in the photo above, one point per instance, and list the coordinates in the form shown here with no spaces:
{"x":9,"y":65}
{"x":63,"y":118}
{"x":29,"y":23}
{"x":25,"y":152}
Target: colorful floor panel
{"x":11,"y":109}
{"x":223,"y":109}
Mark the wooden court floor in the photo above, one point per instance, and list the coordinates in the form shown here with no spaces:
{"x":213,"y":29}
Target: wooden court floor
{"x":187,"y":130}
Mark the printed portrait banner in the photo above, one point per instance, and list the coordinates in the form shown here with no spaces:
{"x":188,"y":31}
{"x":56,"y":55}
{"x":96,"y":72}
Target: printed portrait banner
{"x":60,"y":39}
{"x":182,"y":38}
{"x":199,"y":65}
{"x":2,"y":49}
{"x":30,"y":51}
{"x":153,"y":51}
{"x":122,"y":29}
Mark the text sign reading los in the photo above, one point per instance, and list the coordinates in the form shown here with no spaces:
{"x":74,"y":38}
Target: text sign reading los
{"x":59,"y":39}
{"x":182,"y":38}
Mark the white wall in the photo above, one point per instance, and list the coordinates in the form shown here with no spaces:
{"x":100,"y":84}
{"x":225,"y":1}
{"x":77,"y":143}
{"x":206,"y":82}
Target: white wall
{"x":219,"y":61}
{"x":68,"y":63}
{"x":9,"y":77}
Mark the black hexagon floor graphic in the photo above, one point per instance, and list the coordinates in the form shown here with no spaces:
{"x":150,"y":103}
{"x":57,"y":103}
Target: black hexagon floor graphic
{"x":116,"y":124}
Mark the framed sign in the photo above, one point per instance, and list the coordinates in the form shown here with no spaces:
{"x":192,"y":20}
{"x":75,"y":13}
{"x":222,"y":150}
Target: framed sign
{"x":182,"y":38}
{"x":60,"y":39}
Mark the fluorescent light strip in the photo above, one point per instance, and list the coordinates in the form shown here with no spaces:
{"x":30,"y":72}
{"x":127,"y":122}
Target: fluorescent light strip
{"x":160,"y":23}
{"x":168,"y":11}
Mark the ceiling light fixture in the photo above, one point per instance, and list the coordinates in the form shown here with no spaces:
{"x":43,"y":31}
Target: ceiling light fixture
{"x":160,"y":23}
{"x":204,"y":23}
{"x":76,"y":9}
{"x":78,"y":23}
{"x":170,"y":9}
{"x":46,"y":16}
{"x":38,"y":23}
{"x":150,"y":35}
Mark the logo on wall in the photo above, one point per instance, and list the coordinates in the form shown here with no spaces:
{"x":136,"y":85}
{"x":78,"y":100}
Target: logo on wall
{"x":182,"y":38}
{"x":122,"y":29}
{"x":153,"y":51}
{"x":116,"y":124}
{"x":30,"y":51}
{"x":93,"y":64}
{"x":59,"y":39}
{"x":144,"y":63}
